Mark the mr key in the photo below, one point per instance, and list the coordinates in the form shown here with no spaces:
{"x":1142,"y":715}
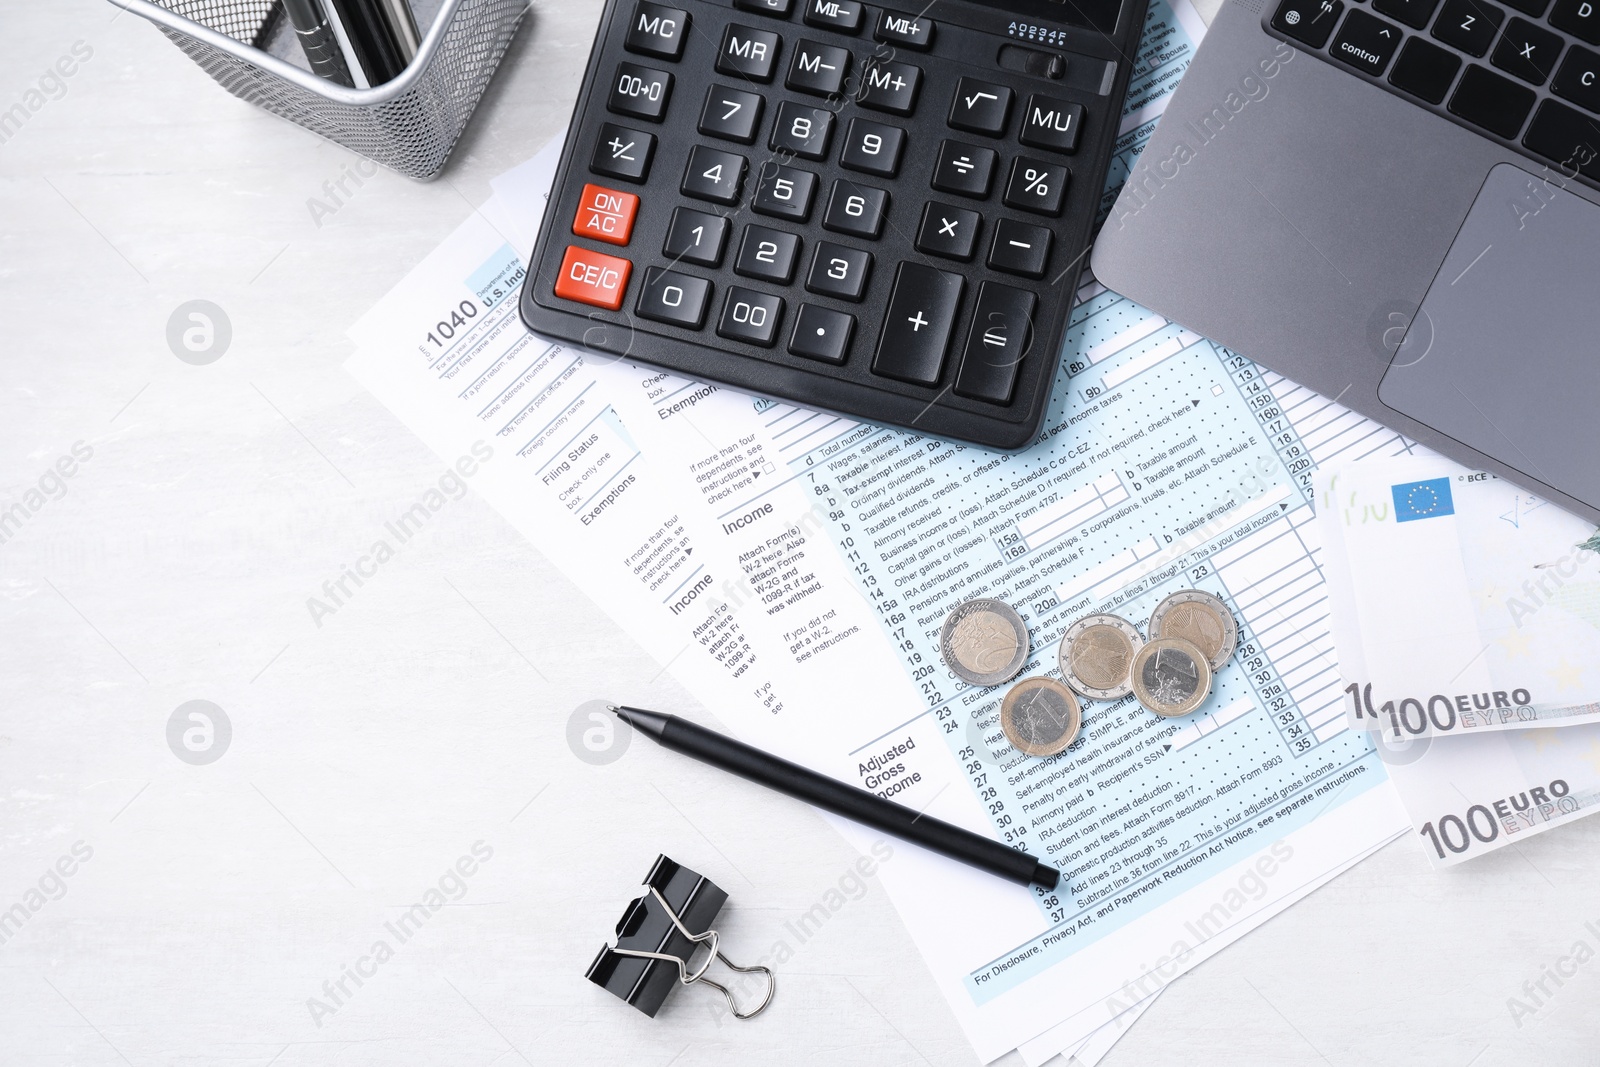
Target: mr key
{"x":876,"y":211}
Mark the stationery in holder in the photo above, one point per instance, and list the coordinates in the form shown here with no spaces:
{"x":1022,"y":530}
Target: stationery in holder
{"x":657,"y":936}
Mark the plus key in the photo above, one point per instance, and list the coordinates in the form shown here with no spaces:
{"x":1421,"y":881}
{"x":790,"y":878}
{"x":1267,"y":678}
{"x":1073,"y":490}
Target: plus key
{"x":917,"y":326}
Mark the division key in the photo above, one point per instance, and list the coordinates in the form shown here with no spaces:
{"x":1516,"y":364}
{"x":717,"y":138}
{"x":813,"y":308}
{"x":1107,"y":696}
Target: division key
{"x":917,"y":326}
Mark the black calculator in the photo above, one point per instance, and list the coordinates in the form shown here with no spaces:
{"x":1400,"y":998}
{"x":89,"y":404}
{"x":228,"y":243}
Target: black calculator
{"x":877,"y":211}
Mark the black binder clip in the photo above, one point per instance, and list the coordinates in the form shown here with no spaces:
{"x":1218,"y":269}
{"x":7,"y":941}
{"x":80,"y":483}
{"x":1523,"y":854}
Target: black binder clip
{"x":659,"y":933}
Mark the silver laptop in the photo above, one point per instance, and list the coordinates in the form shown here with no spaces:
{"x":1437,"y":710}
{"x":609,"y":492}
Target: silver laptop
{"x":1395,"y":203}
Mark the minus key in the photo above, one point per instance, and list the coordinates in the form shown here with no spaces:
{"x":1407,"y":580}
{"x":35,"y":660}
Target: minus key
{"x":1020,"y":249}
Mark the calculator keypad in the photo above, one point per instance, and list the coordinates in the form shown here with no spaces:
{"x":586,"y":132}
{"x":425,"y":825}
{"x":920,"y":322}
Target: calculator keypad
{"x":826,"y":215}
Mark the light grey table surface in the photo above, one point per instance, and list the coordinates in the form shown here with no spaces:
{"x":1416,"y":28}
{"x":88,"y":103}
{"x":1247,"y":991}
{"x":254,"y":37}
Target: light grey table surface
{"x":370,"y":753}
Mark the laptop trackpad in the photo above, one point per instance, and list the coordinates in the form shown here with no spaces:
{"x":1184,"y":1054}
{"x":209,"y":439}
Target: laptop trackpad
{"x":1504,"y":354}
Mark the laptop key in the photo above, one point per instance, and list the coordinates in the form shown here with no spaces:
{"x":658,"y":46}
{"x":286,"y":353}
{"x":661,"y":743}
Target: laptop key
{"x":1581,"y":18}
{"x":1533,"y":8}
{"x":1579,"y":78}
{"x":916,"y":328}
{"x":1414,"y":13}
{"x":1365,"y":43}
{"x":1527,"y":52}
{"x":1469,"y":25}
{"x":1310,"y":22}
{"x":1566,"y":137}
{"x":1424,"y":70}
{"x":1496,"y":104}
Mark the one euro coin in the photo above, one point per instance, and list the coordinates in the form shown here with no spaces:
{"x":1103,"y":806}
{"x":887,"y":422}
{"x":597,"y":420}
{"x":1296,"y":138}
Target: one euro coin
{"x":1040,"y":716}
{"x":1171,"y":676}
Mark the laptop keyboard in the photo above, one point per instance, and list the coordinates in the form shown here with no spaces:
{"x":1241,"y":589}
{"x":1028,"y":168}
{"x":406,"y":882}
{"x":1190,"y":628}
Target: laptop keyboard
{"x":1526,"y":72}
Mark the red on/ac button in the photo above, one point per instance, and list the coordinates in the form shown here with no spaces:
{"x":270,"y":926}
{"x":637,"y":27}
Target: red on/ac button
{"x":593,"y":278}
{"x":605,"y":214}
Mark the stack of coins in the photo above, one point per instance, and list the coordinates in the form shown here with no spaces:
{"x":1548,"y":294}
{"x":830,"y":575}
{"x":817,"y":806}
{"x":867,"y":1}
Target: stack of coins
{"x":1192,"y":635}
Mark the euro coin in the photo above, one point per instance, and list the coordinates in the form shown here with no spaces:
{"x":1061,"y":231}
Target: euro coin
{"x":1040,"y":716}
{"x":1171,"y":677}
{"x":984,"y":641}
{"x":1202,"y":620}
{"x":1096,"y":653}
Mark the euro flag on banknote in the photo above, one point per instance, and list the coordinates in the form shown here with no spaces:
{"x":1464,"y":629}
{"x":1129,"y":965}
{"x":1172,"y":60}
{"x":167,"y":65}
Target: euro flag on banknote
{"x":1422,"y":500}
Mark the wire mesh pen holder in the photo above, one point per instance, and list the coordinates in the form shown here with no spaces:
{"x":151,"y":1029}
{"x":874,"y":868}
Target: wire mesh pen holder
{"x":408,"y":124}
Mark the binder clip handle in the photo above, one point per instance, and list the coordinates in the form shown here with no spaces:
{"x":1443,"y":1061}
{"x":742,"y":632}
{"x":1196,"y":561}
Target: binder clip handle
{"x":709,"y":940}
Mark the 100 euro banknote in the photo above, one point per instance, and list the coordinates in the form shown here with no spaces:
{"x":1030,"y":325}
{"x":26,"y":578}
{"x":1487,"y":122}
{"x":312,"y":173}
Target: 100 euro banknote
{"x":1460,"y":602}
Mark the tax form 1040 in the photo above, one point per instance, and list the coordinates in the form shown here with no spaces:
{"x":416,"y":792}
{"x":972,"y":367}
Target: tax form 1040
{"x":1165,"y":463}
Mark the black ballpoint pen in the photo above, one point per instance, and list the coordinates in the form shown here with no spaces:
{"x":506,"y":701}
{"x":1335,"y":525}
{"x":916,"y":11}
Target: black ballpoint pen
{"x":863,"y":807}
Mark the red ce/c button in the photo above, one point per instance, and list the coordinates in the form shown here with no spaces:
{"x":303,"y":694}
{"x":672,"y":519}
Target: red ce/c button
{"x":593,"y":278}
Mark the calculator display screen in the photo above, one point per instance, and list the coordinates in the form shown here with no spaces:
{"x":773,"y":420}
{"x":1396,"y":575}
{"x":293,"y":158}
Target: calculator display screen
{"x":1094,"y":14}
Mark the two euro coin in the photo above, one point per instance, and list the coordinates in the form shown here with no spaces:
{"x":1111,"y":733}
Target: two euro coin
{"x":984,"y":641}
